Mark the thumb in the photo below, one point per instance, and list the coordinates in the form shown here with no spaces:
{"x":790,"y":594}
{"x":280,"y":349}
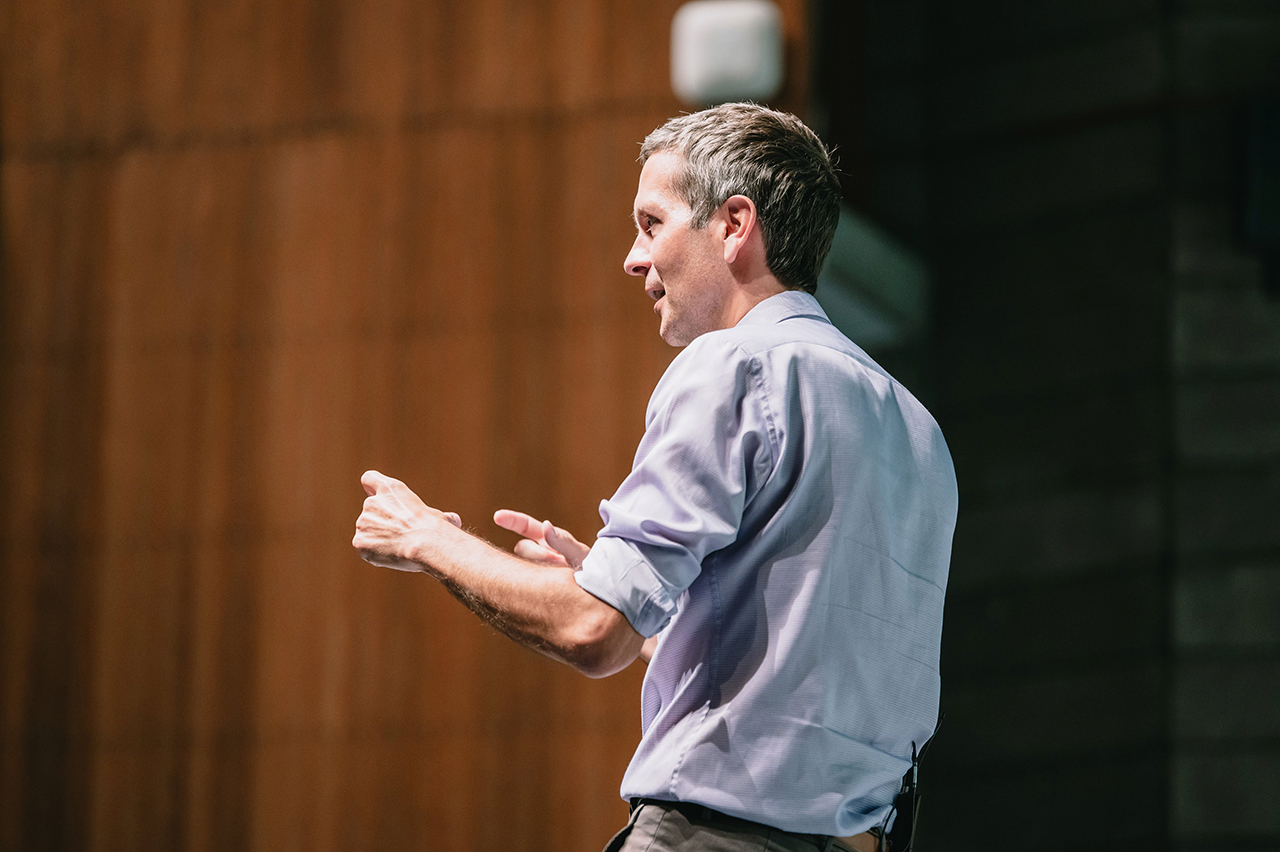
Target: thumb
{"x":453,"y":518}
{"x":373,"y":482}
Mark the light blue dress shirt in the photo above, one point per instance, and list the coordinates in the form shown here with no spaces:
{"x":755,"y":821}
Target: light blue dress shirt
{"x":786,"y":532}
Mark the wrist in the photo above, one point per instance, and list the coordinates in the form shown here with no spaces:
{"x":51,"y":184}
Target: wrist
{"x":426,"y":543}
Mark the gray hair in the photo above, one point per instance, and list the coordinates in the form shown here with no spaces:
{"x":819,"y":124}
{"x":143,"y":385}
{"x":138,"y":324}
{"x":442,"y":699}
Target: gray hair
{"x":770,"y":157}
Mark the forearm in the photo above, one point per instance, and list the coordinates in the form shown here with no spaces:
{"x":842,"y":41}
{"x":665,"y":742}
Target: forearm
{"x":537,"y":605}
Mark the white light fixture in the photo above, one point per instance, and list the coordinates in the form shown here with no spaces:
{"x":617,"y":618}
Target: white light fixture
{"x":726,"y":50}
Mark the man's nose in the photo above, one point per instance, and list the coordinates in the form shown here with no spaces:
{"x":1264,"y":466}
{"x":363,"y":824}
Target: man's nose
{"x":637,"y":262}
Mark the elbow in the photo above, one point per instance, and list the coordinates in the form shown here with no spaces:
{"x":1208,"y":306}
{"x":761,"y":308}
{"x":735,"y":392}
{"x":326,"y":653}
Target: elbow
{"x":602,"y":642}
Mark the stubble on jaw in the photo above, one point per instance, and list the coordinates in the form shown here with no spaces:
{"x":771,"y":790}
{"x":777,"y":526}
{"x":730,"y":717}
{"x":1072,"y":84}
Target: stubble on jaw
{"x":700,"y":305}
{"x":698,"y":302}
{"x":685,"y":324}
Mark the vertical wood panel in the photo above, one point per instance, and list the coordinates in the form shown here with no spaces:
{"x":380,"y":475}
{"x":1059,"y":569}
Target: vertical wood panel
{"x":248,"y":252}
{"x":51,"y":522}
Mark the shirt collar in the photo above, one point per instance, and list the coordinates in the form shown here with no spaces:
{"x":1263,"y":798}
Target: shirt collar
{"x":784,"y":305}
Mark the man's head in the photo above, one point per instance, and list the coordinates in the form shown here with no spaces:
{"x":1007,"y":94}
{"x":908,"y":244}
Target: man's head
{"x":771,"y":158}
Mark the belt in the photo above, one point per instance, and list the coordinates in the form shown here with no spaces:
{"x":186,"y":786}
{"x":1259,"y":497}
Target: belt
{"x":867,"y":841}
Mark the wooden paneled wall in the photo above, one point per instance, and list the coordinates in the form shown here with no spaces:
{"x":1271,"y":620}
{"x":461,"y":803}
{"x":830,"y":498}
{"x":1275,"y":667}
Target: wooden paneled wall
{"x":248,"y":250}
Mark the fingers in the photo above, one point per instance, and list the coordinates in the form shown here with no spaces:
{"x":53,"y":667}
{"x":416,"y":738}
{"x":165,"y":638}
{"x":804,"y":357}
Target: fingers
{"x":565,"y":544}
{"x":535,"y":552}
{"x":453,"y":518}
{"x":519,"y":523}
{"x":555,"y":536}
{"x":543,"y":540}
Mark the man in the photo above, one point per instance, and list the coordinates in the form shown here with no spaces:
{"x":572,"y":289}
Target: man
{"x":779,"y":552}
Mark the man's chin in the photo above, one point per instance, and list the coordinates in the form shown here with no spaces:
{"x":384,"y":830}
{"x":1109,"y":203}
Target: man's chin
{"x":672,"y":336}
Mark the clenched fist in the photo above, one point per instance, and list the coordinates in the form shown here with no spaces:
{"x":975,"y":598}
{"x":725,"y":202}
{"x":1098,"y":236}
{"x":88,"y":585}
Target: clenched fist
{"x":394,"y":523}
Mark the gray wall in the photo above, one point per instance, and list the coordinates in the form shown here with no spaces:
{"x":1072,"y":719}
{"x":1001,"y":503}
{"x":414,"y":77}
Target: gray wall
{"x":1105,"y":362}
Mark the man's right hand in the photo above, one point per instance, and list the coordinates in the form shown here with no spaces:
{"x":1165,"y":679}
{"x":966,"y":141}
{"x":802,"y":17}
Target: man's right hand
{"x":543,"y":541}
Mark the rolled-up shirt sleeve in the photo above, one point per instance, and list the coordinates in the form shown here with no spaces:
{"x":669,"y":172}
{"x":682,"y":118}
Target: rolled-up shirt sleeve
{"x":708,"y":443}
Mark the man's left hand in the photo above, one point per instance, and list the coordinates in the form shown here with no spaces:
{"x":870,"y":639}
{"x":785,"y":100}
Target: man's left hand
{"x":543,"y":541}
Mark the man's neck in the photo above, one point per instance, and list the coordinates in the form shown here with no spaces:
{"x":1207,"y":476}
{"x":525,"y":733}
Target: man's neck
{"x":747,"y":295}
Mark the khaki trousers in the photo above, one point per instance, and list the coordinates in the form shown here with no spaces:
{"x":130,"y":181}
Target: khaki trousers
{"x":656,"y":827}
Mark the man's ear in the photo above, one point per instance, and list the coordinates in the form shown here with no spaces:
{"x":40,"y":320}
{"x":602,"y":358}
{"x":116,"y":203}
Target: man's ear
{"x":740,"y":222}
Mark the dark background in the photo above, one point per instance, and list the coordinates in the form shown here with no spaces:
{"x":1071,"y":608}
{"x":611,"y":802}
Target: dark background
{"x":249,"y":250}
{"x":1089,"y":182}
